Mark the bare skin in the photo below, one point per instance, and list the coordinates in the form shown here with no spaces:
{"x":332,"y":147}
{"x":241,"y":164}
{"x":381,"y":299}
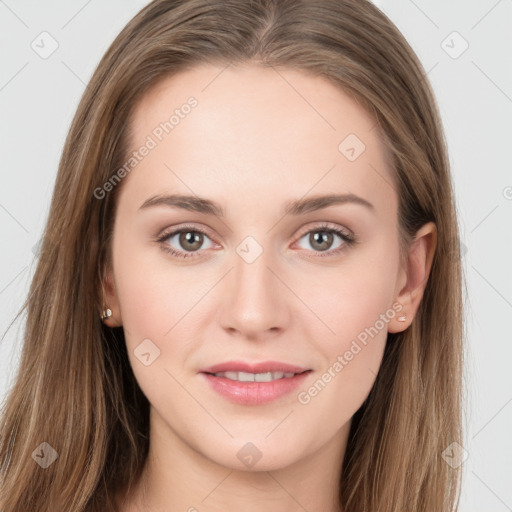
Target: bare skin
{"x":252,"y":144}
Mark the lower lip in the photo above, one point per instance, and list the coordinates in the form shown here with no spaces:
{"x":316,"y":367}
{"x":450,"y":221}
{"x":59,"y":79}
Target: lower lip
{"x":254,"y":393}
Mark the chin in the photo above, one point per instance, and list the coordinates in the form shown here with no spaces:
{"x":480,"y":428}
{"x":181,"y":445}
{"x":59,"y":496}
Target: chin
{"x":255,"y":453}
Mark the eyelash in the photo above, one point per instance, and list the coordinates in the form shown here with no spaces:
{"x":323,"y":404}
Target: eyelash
{"x":347,"y":238}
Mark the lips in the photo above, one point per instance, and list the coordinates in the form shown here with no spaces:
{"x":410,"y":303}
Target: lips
{"x":254,"y":383}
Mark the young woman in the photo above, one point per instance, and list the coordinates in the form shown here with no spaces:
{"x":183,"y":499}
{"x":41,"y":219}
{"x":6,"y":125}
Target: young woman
{"x":246,"y":294}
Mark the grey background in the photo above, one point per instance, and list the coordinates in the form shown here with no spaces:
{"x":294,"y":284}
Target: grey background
{"x":38,"y":97}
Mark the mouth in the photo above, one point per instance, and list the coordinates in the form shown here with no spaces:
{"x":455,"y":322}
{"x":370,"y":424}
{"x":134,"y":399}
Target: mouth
{"x":254,"y":384}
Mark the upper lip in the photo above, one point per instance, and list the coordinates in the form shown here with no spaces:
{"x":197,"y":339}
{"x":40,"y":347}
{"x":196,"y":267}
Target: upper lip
{"x":263,"y":367}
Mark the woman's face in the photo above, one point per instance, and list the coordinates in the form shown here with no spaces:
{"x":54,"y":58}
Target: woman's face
{"x":256,"y":282}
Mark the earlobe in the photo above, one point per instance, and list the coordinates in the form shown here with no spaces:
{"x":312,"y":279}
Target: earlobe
{"x":420,"y":256}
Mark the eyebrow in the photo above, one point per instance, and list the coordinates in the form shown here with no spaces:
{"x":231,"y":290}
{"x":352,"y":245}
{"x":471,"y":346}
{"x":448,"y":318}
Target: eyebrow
{"x":294,"y":207}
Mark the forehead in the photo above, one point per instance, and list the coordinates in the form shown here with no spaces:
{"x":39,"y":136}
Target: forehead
{"x":258,"y":127}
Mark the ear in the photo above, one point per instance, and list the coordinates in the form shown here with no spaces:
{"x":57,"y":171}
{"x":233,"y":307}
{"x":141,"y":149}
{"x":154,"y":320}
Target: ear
{"x":110,"y":299}
{"x":413,"y":279}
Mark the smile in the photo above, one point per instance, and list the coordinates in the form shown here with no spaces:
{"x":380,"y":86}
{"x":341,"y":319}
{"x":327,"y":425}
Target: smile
{"x":254,"y":384}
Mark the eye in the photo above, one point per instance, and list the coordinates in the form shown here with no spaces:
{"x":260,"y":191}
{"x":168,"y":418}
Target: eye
{"x":188,"y":240}
{"x":321,"y":239}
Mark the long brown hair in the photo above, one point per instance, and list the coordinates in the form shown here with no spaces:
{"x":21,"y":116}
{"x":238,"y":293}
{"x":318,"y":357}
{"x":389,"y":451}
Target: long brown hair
{"x":75,"y":389}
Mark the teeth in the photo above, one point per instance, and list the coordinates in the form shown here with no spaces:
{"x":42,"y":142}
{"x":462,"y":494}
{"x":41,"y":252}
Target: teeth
{"x":255,"y":377}
{"x":245,"y":377}
{"x":267,"y":377}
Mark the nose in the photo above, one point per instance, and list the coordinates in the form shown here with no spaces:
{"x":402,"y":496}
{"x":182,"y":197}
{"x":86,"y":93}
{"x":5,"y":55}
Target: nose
{"x":256,"y":301}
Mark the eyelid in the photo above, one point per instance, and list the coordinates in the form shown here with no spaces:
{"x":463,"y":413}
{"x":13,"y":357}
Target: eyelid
{"x":167,"y":232}
{"x":327,"y":226}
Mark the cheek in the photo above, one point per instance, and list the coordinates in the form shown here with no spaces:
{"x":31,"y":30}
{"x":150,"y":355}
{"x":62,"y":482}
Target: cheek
{"x":356,"y":299}
{"x":359,"y":314}
{"x":153,"y":303}
{"x":357,"y":307}
{"x":153,"y":295}
{"x":160,"y":302}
